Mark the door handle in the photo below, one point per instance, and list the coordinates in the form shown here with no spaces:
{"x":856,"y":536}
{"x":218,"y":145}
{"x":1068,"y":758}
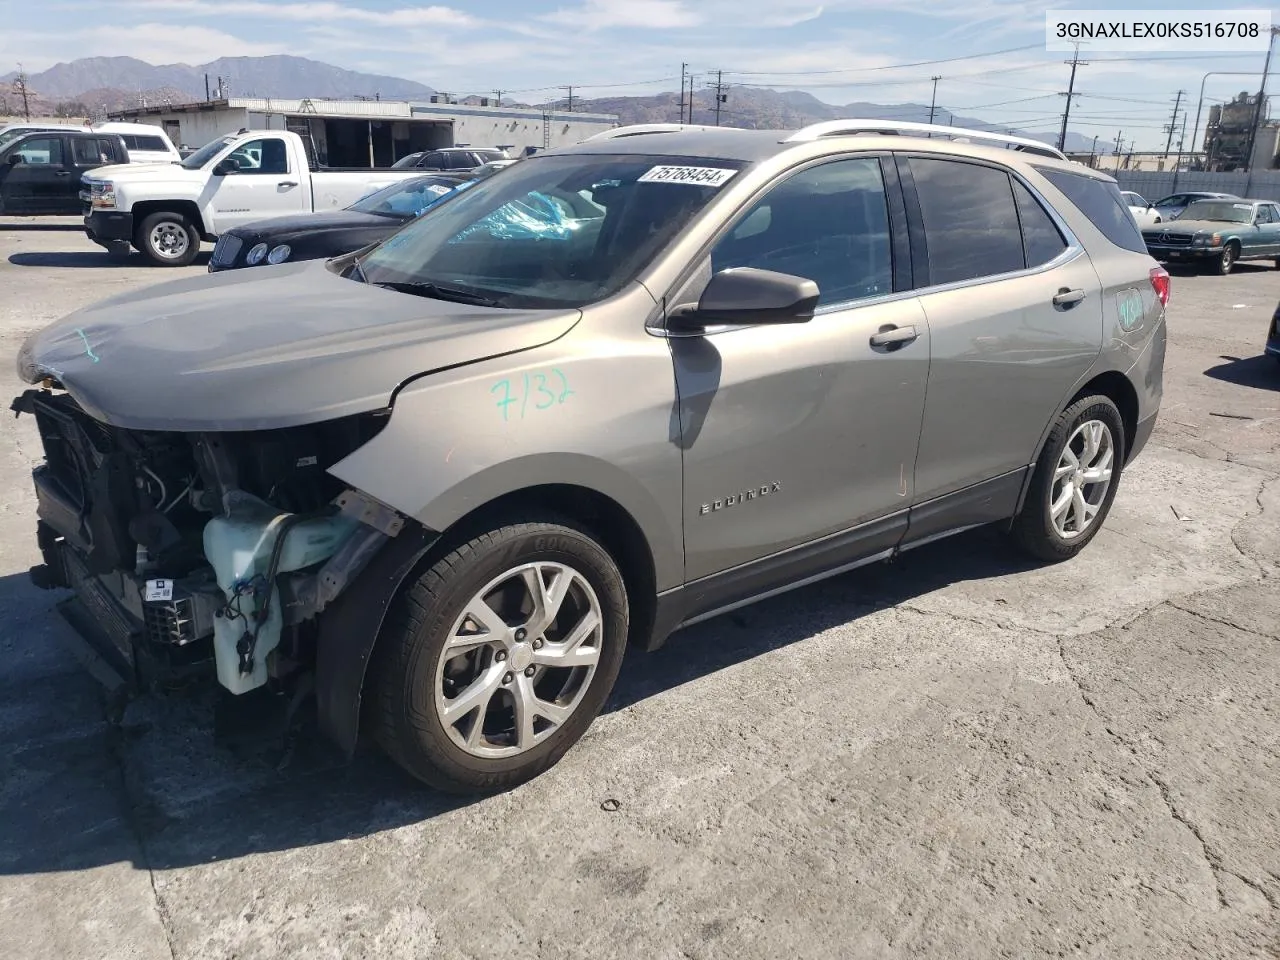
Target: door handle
{"x":62,"y":173}
{"x":1067,"y":297}
{"x":893,"y":336}
{"x":287,"y":183}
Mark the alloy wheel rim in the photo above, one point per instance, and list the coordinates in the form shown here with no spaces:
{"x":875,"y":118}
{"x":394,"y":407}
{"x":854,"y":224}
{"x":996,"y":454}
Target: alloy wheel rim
{"x":519,"y":659}
{"x":1081,"y":479}
{"x":169,"y":240}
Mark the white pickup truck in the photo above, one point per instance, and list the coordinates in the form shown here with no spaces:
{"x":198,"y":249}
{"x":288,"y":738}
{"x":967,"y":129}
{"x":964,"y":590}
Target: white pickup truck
{"x":164,"y":210}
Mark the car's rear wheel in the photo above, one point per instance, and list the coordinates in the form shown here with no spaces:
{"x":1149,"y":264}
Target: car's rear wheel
{"x":1075,"y":481}
{"x":497,"y":658}
{"x":167,"y":239}
{"x":1226,"y":260}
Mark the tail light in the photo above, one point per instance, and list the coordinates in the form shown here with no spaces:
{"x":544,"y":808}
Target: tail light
{"x":1160,"y":284}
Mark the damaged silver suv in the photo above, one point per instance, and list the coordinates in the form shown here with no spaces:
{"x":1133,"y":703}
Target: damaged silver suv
{"x":436,"y":487}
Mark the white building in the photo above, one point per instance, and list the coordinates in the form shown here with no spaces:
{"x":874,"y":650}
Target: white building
{"x":362,"y":133}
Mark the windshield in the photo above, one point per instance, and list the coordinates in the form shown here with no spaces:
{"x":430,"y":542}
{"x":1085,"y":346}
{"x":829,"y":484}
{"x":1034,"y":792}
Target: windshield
{"x":410,"y":161}
{"x":553,"y":231}
{"x":405,"y":199}
{"x":1223,"y":210}
{"x":206,"y":153}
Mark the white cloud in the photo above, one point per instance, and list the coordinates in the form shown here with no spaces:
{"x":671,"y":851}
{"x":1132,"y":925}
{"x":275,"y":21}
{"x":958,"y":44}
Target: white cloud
{"x":321,"y":11}
{"x":605,"y":14}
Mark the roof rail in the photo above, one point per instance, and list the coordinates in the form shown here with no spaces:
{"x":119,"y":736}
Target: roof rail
{"x":840,"y":128}
{"x":638,"y":129}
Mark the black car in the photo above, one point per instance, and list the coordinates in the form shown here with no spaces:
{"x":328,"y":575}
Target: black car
{"x":314,"y":236}
{"x":40,"y":171}
{"x":1273,"y":336}
{"x":450,"y":159}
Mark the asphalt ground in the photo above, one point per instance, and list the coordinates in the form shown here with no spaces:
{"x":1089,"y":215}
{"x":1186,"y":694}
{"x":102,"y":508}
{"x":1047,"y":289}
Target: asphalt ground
{"x":959,"y":754}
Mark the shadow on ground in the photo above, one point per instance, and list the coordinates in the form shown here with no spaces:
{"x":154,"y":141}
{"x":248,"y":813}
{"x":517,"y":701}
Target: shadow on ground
{"x":87,"y":258}
{"x":1261,"y":372}
{"x":81,"y":796}
{"x":23,"y":227}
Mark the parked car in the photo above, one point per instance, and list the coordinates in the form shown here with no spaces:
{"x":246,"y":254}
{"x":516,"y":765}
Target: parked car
{"x":1273,"y":336}
{"x":40,"y":171}
{"x":446,"y":481}
{"x":311,"y":236}
{"x":450,"y":159}
{"x":1171,"y":207}
{"x":1218,"y":234}
{"x":165,"y":211}
{"x":145,"y":142}
{"x":1143,"y":212}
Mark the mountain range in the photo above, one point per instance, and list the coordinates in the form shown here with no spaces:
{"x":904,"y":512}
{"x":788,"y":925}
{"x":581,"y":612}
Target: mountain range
{"x":98,"y":84}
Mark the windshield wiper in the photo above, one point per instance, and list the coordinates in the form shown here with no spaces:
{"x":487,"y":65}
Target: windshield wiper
{"x":424,"y":288}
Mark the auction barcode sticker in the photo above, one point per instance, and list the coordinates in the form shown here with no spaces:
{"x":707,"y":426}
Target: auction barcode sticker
{"x":700,"y":176}
{"x":158,"y":590}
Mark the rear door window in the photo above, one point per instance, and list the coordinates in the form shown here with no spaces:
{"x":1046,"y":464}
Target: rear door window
{"x":111,"y":150}
{"x":1101,"y":202}
{"x":1041,"y":239}
{"x":85,"y":152}
{"x":970,"y":219}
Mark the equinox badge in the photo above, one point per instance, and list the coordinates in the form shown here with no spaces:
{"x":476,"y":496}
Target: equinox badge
{"x":736,"y":498}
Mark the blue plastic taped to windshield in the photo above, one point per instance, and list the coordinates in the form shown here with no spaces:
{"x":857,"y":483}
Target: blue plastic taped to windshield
{"x":535,"y":216}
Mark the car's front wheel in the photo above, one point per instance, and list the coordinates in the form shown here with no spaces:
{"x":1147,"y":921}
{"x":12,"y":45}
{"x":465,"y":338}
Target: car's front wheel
{"x":167,"y":239}
{"x":498,"y":657}
{"x":1226,"y":260}
{"x":1075,"y":481}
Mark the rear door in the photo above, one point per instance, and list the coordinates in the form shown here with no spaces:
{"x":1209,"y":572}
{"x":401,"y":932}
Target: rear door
{"x":1014,"y":318}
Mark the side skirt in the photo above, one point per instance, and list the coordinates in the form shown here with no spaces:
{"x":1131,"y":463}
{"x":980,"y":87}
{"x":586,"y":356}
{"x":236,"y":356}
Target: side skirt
{"x":987,"y":502}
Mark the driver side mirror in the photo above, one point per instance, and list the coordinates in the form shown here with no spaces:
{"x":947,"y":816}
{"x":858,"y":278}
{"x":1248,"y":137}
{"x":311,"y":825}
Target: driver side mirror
{"x":749,"y":296}
{"x":226,"y":165}
{"x":14,"y":159}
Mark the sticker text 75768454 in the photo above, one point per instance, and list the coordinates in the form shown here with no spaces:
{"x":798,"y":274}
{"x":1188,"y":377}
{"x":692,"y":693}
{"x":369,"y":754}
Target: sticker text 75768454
{"x":699,"y":176}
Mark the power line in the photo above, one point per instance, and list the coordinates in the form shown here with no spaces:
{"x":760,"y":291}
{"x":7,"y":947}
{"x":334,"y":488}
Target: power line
{"x":891,"y":66}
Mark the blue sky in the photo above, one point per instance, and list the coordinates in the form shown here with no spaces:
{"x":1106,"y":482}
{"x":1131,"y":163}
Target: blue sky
{"x":840,"y":50}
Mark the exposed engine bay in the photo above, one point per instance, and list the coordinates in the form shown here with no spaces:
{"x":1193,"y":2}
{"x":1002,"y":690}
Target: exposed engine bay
{"x":188,"y":551}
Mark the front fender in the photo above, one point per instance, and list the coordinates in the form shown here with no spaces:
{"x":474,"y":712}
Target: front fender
{"x":585,"y":411}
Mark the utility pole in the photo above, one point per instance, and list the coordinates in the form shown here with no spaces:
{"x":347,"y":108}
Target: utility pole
{"x":497,"y":98}
{"x":1173,"y":123}
{"x":1119,"y":144}
{"x":684,"y":67}
{"x":721,"y":97}
{"x":1177,"y":164}
{"x":1075,"y":61}
{"x":1093,"y":151}
{"x":1259,"y":111}
{"x":20,"y":84}
{"x":691,"y":78}
{"x":933,"y":100}
{"x":569,"y":108}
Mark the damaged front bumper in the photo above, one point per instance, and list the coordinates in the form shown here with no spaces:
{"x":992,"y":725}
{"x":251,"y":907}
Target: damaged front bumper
{"x":215,"y":580}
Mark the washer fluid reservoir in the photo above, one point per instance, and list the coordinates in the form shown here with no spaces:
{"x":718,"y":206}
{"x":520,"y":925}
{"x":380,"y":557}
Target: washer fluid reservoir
{"x":238,"y":545}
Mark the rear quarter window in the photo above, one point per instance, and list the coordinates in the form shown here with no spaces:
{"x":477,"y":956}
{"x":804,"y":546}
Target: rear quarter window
{"x":1102,"y":204}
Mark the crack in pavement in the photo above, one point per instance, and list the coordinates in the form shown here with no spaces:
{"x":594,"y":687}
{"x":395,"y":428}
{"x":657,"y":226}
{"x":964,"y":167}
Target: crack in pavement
{"x":1224,"y":622}
{"x":1217,"y":867}
{"x":115,"y":745}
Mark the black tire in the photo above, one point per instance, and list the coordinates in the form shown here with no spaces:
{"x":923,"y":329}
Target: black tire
{"x":1033,"y":530}
{"x":405,"y":719}
{"x":1226,"y":260}
{"x":156,"y":254}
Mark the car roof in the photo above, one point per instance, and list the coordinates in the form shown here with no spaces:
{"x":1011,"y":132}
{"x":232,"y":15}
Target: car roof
{"x":751,"y":146}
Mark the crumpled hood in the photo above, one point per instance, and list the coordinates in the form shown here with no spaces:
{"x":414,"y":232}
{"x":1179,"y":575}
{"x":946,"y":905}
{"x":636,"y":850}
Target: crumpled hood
{"x":265,"y":348}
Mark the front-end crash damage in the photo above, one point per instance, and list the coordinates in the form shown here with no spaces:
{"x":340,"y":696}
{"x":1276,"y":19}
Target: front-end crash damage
{"x":201,"y":552}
